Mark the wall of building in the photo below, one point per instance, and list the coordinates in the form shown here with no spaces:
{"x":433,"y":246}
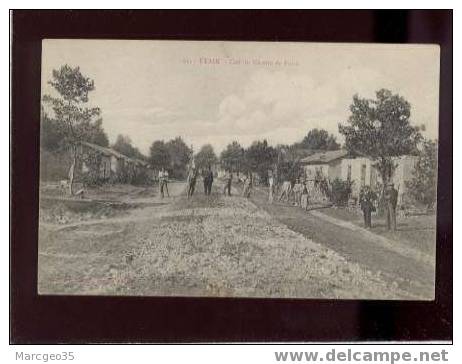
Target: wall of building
{"x":105,"y":167}
{"x":363,"y":173}
{"x":403,"y":173}
{"x":311,"y":170}
{"x":335,"y":169}
{"x":360,"y":171}
{"x":114,"y":164}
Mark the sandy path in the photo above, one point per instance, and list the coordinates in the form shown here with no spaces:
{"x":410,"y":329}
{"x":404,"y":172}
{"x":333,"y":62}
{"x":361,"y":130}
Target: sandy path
{"x":203,"y":246}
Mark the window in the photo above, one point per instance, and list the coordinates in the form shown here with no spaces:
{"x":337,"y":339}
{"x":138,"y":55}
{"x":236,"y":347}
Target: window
{"x":349,"y":173}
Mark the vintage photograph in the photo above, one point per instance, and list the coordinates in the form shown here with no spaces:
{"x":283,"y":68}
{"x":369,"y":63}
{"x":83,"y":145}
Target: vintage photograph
{"x":238,"y":169}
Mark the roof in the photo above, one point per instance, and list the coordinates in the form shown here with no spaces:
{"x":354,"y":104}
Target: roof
{"x":109,"y":151}
{"x":106,"y":151}
{"x":324,"y":157}
{"x":141,"y":162}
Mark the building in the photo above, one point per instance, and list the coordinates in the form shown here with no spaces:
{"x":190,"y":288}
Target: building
{"x":111,"y":162}
{"x":361,"y":172}
{"x":327,"y":164}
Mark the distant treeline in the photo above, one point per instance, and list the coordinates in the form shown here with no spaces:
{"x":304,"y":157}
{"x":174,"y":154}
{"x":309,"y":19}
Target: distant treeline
{"x":174,"y":155}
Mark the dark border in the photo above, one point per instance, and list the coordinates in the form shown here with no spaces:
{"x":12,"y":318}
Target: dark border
{"x":66,"y":319}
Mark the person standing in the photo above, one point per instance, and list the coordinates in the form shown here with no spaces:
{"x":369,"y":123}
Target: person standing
{"x":208,"y":181}
{"x":297,"y":189}
{"x":247,"y":186}
{"x":366,"y":201}
{"x":205,"y":180}
{"x":304,"y":200}
{"x":391,"y":199}
{"x":192,"y":177}
{"x":228,"y":181}
{"x":286,"y":191}
{"x":161,"y":182}
{"x":166,"y":182}
{"x":271,"y":188}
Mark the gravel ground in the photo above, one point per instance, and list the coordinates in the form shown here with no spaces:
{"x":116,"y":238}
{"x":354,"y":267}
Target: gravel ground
{"x":203,"y":246}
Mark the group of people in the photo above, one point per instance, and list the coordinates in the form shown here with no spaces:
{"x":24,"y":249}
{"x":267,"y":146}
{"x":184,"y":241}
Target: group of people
{"x":191,"y":182}
{"x":208,"y":179}
{"x":297,"y":192}
{"x":367,"y":199}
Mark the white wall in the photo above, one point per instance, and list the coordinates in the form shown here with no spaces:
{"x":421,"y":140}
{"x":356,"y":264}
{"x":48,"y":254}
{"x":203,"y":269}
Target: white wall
{"x":402,"y":173}
{"x":310,"y":170}
{"x":356,"y":166}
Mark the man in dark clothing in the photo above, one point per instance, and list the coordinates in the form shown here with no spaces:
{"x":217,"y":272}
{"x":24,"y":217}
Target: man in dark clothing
{"x":205,"y":180}
{"x":208,"y":181}
{"x":366,"y":201}
{"x":391,"y":198}
{"x":228,"y":180}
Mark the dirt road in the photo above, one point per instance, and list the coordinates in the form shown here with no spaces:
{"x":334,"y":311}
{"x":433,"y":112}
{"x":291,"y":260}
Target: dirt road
{"x":396,"y":264}
{"x":203,"y":246}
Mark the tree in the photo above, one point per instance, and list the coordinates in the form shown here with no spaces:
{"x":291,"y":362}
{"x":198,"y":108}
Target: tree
{"x":422,"y":187}
{"x":232,"y":158}
{"x":288,"y":162}
{"x":319,"y":139}
{"x":380,"y":129}
{"x":124,"y":146}
{"x":50,"y":136}
{"x":205,"y":157}
{"x":75,"y":120}
{"x":260,"y":157}
{"x":99,"y":136}
{"x":159,"y":156}
{"x":179,"y":156}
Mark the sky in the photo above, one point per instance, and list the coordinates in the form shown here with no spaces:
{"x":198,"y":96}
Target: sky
{"x":217,"y":92}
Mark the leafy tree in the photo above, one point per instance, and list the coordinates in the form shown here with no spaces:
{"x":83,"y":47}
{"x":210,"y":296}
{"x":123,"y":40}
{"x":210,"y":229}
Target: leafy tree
{"x":423,"y":184}
{"x":159,"y":156}
{"x":319,"y":139}
{"x":288,"y":162}
{"x":124,"y":145}
{"x":340,"y":191}
{"x":50,"y":136}
{"x":380,"y":129}
{"x":75,"y":121}
{"x":260,"y":157}
{"x":205,"y":157}
{"x":99,"y":136}
{"x":179,"y":155}
{"x":232,"y":158}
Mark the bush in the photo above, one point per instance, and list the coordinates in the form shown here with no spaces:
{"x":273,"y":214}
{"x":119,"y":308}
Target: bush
{"x":91,"y":179}
{"x":141,"y":178}
{"x":340,"y":192}
{"x":422,"y":187}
